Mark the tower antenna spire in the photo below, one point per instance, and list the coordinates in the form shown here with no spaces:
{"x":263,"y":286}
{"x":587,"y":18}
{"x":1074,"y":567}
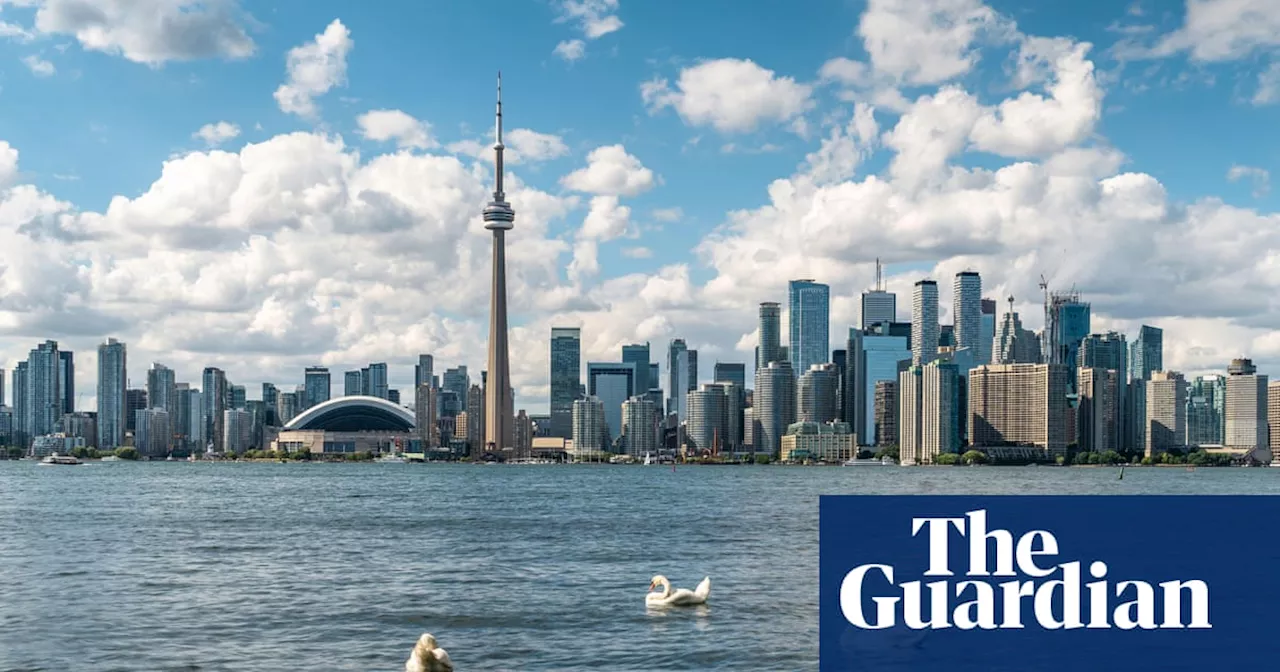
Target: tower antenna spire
{"x":497,"y":145}
{"x":879,"y":280}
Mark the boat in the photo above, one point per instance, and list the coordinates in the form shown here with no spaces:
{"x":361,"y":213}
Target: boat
{"x":393,"y":458}
{"x":61,"y":459}
{"x":885,"y":461}
{"x":648,"y":459}
{"x":111,"y":458}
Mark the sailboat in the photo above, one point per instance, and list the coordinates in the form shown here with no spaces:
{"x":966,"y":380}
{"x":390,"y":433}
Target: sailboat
{"x":648,"y":459}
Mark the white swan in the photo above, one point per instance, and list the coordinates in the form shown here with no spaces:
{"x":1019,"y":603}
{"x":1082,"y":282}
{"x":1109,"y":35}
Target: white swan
{"x":427,"y":657}
{"x":680,"y":597}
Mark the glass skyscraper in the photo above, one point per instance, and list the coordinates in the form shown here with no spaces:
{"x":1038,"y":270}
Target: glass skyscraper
{"x":809,"y":318}
{"x":1147,"y":353}
{"x":612,"y":383}
{"x":770,"y":348}
{"x":113,"y":380}
{"x":924,"y":323}
{"x":566,"y":378}
{"x":638,"y":354}
{"x":376,"y":382}
{"x":966,"y":311}
{"x":881,"y":356}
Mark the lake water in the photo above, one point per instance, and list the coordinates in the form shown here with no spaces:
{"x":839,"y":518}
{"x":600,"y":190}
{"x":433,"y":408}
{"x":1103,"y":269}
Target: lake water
{"x":279,"y":567}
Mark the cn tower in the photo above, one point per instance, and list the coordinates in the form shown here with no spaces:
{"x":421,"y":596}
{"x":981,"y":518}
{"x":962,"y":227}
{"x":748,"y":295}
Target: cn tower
{"x":499,"y":425}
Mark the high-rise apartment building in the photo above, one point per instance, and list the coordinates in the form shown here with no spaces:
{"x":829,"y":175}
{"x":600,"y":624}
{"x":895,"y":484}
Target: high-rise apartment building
{"x":910,"y":422}
{"x":638,"y":354}
{"x":986,"y":333}
{"x":1019,"y":404}
{"x":639,"y":426}
{"x":589,"y":432}
{"x":475,"y":417}
{"x":376,"y":380}
{"x":215,"y":392}
{"x":151,"y":434}
{"x":612,"y":383}
{"x":240,"y":397}
{"x":774,"y":405}
{"x":886,"y":414}
{"x":1246,"y":406}
{"x":678,"y":378}
{"x":44,"y":390}
{"x":940,"y":410}
{"x":66,"y":380}
{"x":1206,"y":411}
{"x":271,"y":399}
{"x":162,"y":388}
{"x":134,"y":401}
{"x":882,"y":355}
{"x":424,"y":413}
{"x":1099,"y":414}
{"x":566,"y":378}
{"x":809,"y":322}
{"x":1105,"y":351}
{"x":966,"y":312}
{"x":458,"y":381}
{"x":238,"y":427}
{"x":352,"y":383}
{"x":20,"y":430}
{"x":770,"y":328}
{"x":316,"y":383}
{"x":924,"y":323}
{"x":816,"y":397}
{"x":424,"y":371}
{"x":1147,"y":353}
{"x":1166,"y":413}
{"x":1069,"y":322}
{"x":708,"y":427}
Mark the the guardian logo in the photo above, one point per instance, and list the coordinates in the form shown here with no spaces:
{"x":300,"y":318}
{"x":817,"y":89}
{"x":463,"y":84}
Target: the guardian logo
{"x":1038,"y":588}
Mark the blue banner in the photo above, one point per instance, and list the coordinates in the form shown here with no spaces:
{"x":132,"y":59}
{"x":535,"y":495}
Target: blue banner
{"x":990,"y":583}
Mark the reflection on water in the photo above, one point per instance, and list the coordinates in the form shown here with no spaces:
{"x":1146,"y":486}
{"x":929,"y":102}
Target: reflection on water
{"x":268,"y":567}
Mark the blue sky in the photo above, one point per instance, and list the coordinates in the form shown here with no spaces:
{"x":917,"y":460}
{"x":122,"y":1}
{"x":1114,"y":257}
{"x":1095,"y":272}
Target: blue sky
{"x":96,"y":104}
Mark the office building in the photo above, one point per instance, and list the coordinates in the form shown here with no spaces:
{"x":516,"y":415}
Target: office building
{"x":1246,"y":406}
{"x":1013,"y":344}
{"x":1147,"y":353}
{"x":986,"y":333}
{"x":924,"y":323}
{"x":1105,"y":351}
{"x":271,"y":399}
{"x":287,"y":408}
{"x":375,"y":380}
{"x":821,"y":442}
{"x":1206,"y":411}
{"x":66,"y":381}
{"x":162,"y":389}
{"x":770,"y":328}
{"x":1099,"y":413}
{"x":882,"y":356}
{"x":638,"y":354}
{"x":612,"y":383}
{"x":1135,"y":413}
{"x":424,"y":414}
{"x":878,"y":305}
{"x":933,"y":405}
{"x":816,"y":394}
{"x":240,"y":397}
{"x":424,"y":371}
{"x":886,"y":414}
{"x":458,"y":381}
{"x":316,"y":385}
{"x":44,"y":403}
{"x":215,"y":392}
{"x":774,"y":406}
{"x":809,"y":318}
{"x":134,"y":401}
{"x":79,"y":425}
{"x":678,"y":378}
{"x":589,"y":431}
{"x":21,"y":410}
{"x":475,"y":427}
{"x":352,"y":383}
{"x":1166,"y":413}
{"x":1069,"y":323}
{"x":1019,"y":405}
{"x":731,"y":372}
{"x":640,"y":426}
{"x":566,"y":378}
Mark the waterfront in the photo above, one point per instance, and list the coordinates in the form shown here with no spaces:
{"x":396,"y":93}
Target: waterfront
{"x":257,"y":567}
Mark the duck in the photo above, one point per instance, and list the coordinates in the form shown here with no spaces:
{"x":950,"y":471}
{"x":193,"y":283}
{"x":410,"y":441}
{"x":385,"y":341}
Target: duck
{"x":428,"y":657}
{"x":680,"y":597}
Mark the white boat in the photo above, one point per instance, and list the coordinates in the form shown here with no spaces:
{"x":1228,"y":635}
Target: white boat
{"x":393,"y":458}
{"x":648,"y":459}
{"x":885,"y":461}
{"x":61,"y":459}
{"x":110,"y":458}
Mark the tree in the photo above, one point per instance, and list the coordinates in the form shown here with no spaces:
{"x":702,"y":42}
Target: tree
{"x":15,"y":453}
{"x":974,"y":457}
{"x":762,"y":458}
{"x":946,"y":459}
{"x":890,"y":452}
{"x":127,"y":453}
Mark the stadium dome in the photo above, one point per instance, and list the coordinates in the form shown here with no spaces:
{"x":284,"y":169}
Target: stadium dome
{"x":354,"y":414}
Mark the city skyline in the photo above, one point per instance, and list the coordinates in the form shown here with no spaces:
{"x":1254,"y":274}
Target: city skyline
{"x":390,"y":260}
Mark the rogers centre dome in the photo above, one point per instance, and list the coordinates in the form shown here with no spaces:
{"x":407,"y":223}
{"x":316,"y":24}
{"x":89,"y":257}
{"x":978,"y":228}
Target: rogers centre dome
{"x":354,"y":414}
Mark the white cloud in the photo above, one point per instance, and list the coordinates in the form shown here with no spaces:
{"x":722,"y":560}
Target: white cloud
{"x":668,"y":214}
{"x":1268,"y":85}
{"x":1260,"y":178}
{"x":150,"y":31}
{"x":8,"y":163}
{"x":606,"y":219}
{"x":611,"y":171}
{"x":927,"y":41}
{"x":38,"y":66}
{"x":522,"y":145}
{"x":314,"y":68}
{"x":384,"y":125}
{"x":841,"y":152}
{"x":637,"y":253}
{"x":732,"y":95}
{"x":846,"y":71}
{"x":571,"y":50}
{"x":1224,"y":30}
{"x":13,"y":31}
{"x":596,"y":18}
{"x":218,"y":133}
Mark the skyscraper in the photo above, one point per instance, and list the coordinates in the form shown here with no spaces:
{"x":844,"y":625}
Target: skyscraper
{"x":458,"y":381}
{"x":589,"y":433}
{"x":162,"y":388}
{"x":881,"y":356}
{"x":886,"y":415}
{"x":151,"y":432}
{"x":375,"y":380}
{"x":1246,"y":406}
{"x":966,"y":312}
{"x":708,"y":427}
{"x":1100,"y":411}
{"x":639,"y":426}
{"x":316,"y":381}
{"x":1166,"y":413}
{"x":774,"y":406}
{"x":424,"y":413}
{"x":66,"y":380}
{"x":215,"y":391}
{"x":352,"y":383}
{"x":809,"y":317}
{"x":816,"y":399}
{"x":271,"y":399}
{"x":612,"y":383}
{"x":134,"y":401}
{"x":986,"y":333}
{"x":566,"y":378}
{"x":1206,"y":406}
{"x":638,"y":354}
{"x":1105,"y":351}
{"x":1147,"y":353}
{"x":1016,"y":404}
{"x":924,"y":323}
{"x":113,"y":380}
{"x":731,"y":372}
{"x":1068,"y":324}
{"x":770,"y":349}
{"x":499,"y":217}
{"x":424,"y":370}
{"x":44,"y":389}
{"x":22,"y":410}
{"x":878,"y":306}
{"x":677,"y":377}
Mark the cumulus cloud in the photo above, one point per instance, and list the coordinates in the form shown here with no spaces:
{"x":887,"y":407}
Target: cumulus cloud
{"x":8,"y":163}
{"x":571,"y":50}
{"x":1260,"y":178}
{"x":522,"y":145}
{"x":313,"y":69}
{"x":606,"y":219}
{"x":611,"y":171}
{"x":927,"y":41}
{"x":217,"y":133}
{"x":150,"y":31}
{"x":595,"y":18}
{"x":385,"y":125}
{"x":729,"y":94}
{"x":1224,"y":30}
{"x":38,"y":66}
